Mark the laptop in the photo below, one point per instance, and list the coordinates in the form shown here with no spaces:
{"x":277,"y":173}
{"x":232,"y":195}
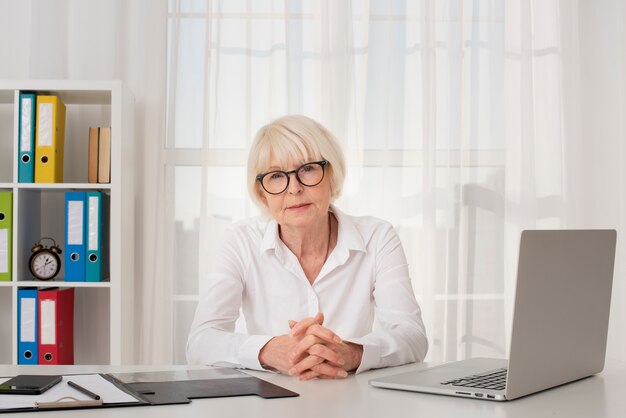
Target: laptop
{"x":559,"y":328}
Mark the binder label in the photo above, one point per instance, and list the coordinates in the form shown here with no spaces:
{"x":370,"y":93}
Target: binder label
{"x":27,"y":326}
{"x":74,"y":222}
{"x":4,"y":250}
{"x":45,"y":124}
{"x":48,"y":322}
{"x":27,"y":112}
{"x":93,"y":216}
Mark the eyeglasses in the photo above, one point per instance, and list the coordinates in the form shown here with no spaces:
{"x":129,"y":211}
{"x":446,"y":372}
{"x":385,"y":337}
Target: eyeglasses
{"x":309,"y":174}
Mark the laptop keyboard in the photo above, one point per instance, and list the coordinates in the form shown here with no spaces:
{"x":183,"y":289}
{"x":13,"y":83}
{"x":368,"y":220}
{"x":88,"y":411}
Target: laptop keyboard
{"x":495,"y":380}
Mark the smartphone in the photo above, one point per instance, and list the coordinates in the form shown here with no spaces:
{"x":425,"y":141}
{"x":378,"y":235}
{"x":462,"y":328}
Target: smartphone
{"x":29,"y":384}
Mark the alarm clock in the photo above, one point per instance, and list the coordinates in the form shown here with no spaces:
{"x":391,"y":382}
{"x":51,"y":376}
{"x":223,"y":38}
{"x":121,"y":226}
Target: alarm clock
{"x":45,"y":262}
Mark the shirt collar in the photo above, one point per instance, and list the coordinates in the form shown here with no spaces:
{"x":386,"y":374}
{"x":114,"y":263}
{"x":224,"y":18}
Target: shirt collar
{"x":270,"y":237}
{"x":349,"y":237}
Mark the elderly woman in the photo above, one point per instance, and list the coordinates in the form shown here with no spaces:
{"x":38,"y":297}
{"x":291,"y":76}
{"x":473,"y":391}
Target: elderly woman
{"x":302,"y":258}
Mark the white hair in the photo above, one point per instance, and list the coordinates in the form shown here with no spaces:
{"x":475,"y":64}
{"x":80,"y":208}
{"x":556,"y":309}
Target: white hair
{"x":294,"y":138}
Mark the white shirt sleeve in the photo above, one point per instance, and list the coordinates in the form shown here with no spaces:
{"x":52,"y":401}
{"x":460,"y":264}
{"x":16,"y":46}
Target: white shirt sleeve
{"x":212,"y":340}
{"x":399,"y":336}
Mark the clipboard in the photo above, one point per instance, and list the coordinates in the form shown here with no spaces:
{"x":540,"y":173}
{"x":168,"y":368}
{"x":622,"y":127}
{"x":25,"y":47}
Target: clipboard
{"x":63,"y":396}
{"x":149,"y":388}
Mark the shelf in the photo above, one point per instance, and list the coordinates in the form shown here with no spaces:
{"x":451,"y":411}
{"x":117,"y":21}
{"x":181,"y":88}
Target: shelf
{"x":81,"y":91}
{"x":103,"y":311}
{"x":61,"y":186}
{"x":28,"y":283}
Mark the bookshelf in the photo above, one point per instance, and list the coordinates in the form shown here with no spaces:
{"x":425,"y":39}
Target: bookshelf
{"x":103,"y":311}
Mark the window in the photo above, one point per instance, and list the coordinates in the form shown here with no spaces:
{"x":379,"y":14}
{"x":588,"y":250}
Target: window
{"x":414,"y":92}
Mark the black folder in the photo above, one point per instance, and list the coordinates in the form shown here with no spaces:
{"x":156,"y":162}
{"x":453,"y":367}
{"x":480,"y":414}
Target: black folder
{"x":175,"y":387}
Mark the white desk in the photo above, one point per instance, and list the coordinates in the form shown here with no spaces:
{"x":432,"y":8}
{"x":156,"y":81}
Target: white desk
{"x":603,"y":395}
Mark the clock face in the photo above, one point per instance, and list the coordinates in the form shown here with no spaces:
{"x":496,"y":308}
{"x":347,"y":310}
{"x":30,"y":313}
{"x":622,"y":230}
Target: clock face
{"x":45,"y":265}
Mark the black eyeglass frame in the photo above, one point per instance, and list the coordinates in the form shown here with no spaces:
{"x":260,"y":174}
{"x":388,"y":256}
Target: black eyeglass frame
{"x":321,"y":163}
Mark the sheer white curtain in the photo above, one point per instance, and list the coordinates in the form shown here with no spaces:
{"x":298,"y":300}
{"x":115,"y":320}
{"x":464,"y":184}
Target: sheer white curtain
{"x":463,"y":122}
{"x":565,"y":103}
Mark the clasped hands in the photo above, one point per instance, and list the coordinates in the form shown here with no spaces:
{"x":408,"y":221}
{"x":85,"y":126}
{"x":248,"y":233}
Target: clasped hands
{"x":311,"y":350}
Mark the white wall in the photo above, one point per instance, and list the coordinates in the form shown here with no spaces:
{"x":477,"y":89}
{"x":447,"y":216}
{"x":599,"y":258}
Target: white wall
{"x":100,"y":39}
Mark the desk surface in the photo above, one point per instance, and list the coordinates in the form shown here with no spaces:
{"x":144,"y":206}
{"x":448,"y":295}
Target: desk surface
{"x":603,"y":395}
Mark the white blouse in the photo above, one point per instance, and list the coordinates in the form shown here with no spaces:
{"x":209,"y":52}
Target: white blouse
{"x":365,"y":277}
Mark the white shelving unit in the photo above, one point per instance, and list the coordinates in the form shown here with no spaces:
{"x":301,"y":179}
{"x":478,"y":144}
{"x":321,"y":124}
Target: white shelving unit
{"x":103,"y":311}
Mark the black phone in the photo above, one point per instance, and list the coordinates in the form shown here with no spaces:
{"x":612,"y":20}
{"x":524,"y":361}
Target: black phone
{"x":29,"y":384}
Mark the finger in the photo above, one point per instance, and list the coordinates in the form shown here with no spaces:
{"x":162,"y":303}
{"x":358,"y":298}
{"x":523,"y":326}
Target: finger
{"x":302,"y":326}
{"x":327,"y":354}
{"x":325,"y":369}
{"x":308,"y":375}
{"x":303,"y":346}
{"x":305,"y":323}
{"x":304,"y":365}
{"x":323,"y":333}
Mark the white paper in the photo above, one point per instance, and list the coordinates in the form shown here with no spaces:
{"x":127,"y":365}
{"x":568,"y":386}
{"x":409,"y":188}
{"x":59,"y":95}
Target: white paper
{"x":92,"y":217}
{"x":108,"y":392}
{"x":4,"y":250}
{"x":27,"y":111}
{"x":27,"y":316}
{"x":44,"y":121}
{"x":74,"y":222}
{"x":48,"y":322}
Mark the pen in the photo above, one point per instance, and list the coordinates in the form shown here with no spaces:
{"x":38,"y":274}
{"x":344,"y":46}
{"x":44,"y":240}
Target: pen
{"x":83,"y":390}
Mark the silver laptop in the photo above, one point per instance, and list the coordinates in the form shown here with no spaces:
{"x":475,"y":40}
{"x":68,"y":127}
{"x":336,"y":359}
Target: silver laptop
{"x":560,"y":322}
